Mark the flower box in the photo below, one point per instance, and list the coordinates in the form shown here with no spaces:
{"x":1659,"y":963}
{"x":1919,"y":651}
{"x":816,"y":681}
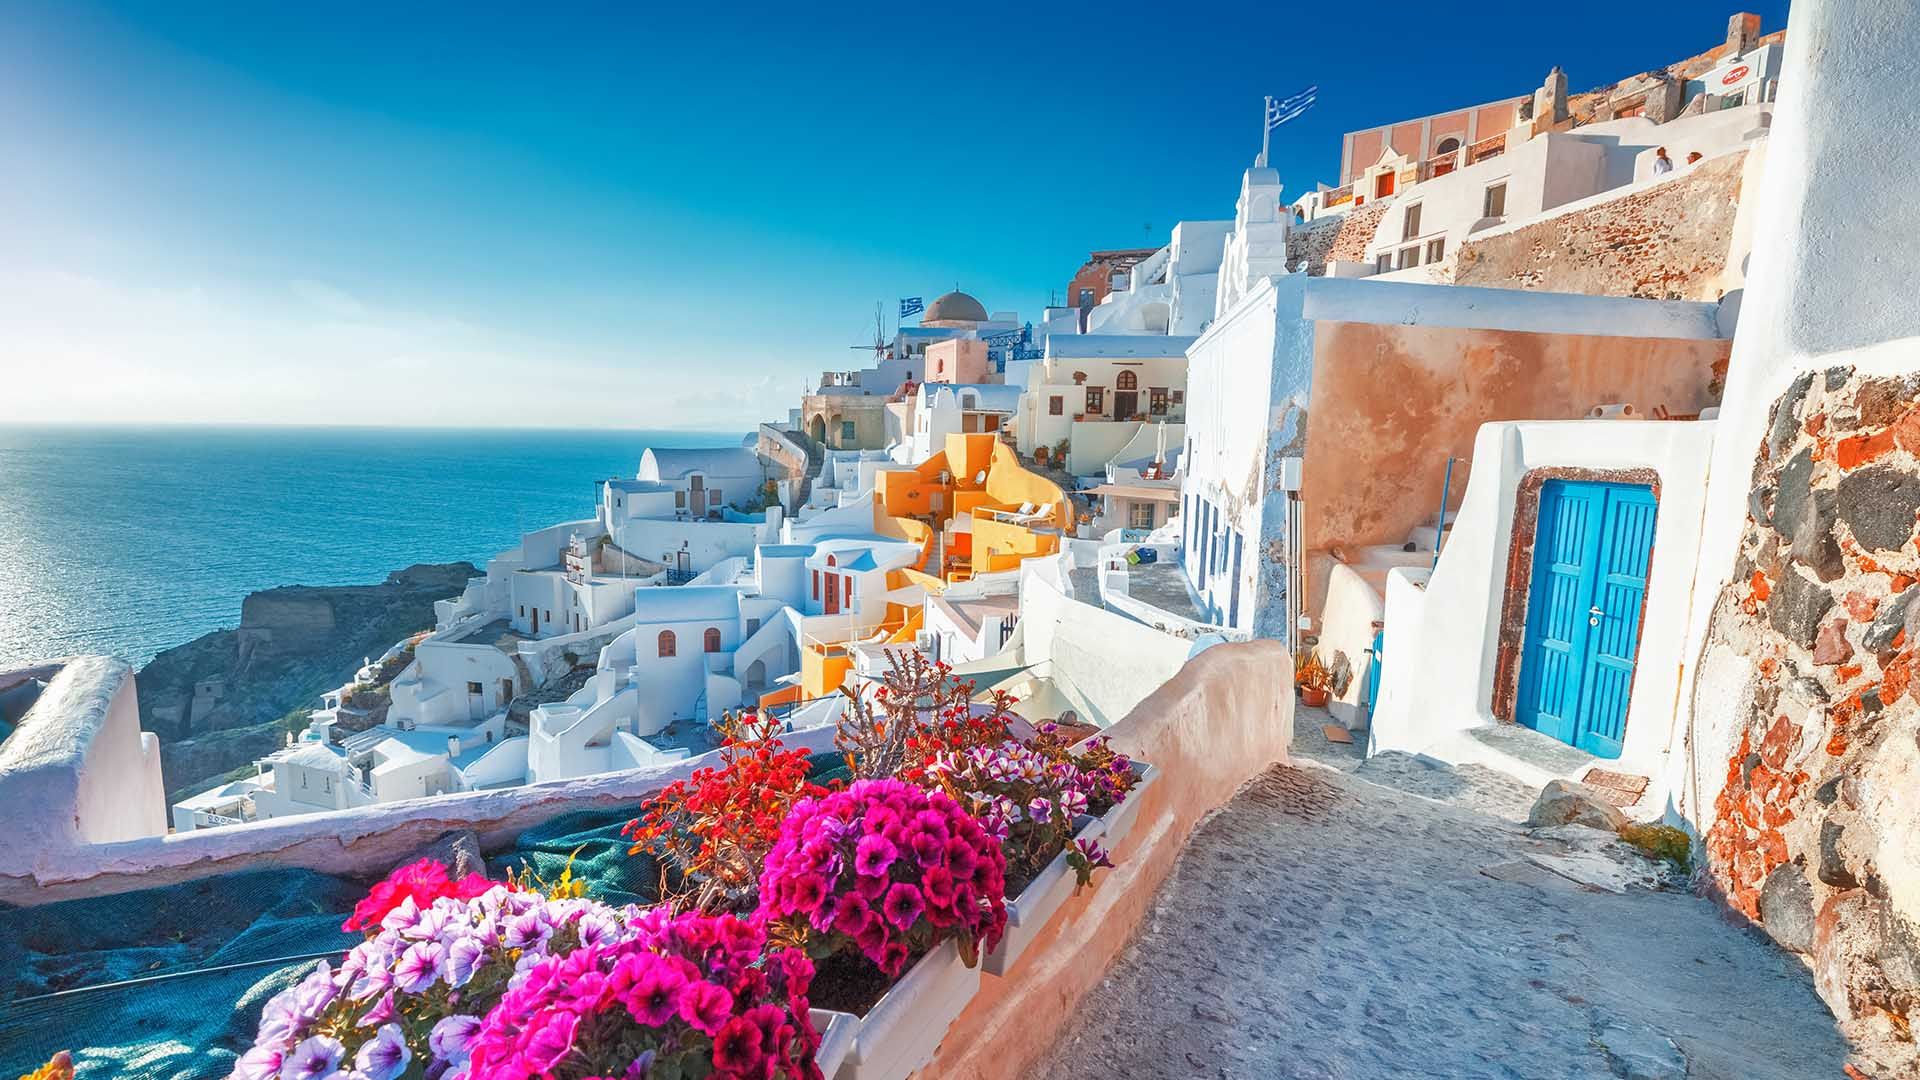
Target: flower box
{"x":1035,"y":907}
{"x":836,"y":1030}
{"x":903,"y":1029}
{"x":1118,"y":822}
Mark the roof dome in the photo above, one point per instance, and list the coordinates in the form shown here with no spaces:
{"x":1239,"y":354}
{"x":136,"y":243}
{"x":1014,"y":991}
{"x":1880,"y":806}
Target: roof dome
{"x":955,"y":307}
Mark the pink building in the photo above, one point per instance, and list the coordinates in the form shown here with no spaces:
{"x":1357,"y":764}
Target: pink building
{"x":959,"y":360}
{"x":1422,"y":138}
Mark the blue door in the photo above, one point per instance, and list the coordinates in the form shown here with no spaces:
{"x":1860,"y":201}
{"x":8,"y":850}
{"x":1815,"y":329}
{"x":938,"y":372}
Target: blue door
{"x":1590,"y":557}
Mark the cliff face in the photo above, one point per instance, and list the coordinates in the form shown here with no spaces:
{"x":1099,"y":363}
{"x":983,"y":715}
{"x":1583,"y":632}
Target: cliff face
{"x":215,"y":700}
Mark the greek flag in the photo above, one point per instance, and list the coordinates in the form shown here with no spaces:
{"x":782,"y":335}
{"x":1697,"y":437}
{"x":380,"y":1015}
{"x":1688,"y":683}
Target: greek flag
{"x":912,"y":305}
{"x":1281,"y":110}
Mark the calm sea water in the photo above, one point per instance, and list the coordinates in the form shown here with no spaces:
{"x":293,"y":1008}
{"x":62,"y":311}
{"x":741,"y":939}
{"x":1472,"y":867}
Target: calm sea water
{"x":131,"y":540}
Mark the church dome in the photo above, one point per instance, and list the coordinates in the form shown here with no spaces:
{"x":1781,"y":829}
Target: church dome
{"x":955,"y":307}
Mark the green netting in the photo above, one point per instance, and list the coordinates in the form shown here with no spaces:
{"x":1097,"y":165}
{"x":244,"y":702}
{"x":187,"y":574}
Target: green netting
{"x":129,"y":1019}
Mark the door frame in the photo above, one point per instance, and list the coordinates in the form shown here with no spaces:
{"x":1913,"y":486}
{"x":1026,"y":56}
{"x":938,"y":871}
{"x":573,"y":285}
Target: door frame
{"x":1518,"y":599}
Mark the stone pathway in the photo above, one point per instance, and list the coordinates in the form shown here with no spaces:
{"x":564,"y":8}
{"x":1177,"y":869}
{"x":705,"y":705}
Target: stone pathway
{"x":1331,"y":923}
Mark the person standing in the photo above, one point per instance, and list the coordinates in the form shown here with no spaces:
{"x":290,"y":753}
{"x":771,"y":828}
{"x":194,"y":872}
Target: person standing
{"x":1662,"y":164}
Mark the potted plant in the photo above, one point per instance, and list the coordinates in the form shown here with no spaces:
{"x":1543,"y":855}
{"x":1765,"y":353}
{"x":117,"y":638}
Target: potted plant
{"x":1314,"y":680}
{"x":895,"y":892}
{"x":1037,"y":806}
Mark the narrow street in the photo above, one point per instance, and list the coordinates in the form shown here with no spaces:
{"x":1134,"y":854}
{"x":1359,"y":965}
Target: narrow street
{"x":1386,"y":919}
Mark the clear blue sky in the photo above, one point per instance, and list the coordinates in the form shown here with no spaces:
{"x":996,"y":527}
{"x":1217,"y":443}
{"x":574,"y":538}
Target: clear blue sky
{"x":643,"y":215}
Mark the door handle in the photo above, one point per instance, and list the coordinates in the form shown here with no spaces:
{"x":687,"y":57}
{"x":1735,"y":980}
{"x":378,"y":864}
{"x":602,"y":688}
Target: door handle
{"x":1594,"y":614}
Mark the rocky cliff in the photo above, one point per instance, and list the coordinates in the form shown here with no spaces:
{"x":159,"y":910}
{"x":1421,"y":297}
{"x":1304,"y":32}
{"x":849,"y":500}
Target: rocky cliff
{"x":216,"y":701}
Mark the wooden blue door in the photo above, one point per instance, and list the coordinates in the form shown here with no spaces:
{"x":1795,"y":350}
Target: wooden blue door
{"x":1591,"y":554}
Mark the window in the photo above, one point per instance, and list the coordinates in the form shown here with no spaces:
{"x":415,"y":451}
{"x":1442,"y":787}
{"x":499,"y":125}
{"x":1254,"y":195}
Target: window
{"x":1096,"y":400}
{"x":713,"y":639}
{"x":1157,"y":400}
{"x":1410,"y":257}
{"x":1056,"y":406}
{"x":1140,"y":515}
{"x":1126,"y":380}
{"x":1412,"y":222}
{"x":523,"y":611}
{"x":1447,"y":145}
{"x":668,"y":646}
{"x":1496,"y":204}
{"x":1383,"y":263}
{"x":549,"y":614}
{"x":680,"y":499}
{"x":1180,"y":396}
{"x":474,"y":688}
{"x":1086,"y":298}
{"x":713,"y":497}
{"x":1436,"y":249}
{"x":846,"y":431}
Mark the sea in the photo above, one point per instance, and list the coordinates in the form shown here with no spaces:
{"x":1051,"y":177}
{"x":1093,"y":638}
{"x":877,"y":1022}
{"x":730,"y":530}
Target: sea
{"x":130,"y":540}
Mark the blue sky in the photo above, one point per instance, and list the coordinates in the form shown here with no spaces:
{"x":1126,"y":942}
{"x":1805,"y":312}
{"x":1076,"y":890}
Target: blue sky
{"x":623,"y":216}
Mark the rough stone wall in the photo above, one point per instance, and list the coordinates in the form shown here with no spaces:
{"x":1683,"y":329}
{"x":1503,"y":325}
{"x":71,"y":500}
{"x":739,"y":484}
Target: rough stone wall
{"x":1817,"y":831}
{"x":1669,"y":241}
{"x":1313,"y":241}
{"x":1356,"y":231}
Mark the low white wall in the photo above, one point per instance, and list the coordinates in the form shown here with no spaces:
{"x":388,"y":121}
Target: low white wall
{"x":78,"y":770}
{"x":1442,"y":643}
{"x":1113,"y":662}
{"x":365,"y":841}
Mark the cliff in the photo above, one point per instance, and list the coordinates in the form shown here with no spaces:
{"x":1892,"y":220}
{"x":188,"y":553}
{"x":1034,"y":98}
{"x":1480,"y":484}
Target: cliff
{"x":216,"y":701}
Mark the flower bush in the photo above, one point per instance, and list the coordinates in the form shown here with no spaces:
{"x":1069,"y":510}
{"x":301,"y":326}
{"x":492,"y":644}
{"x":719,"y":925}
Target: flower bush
{"x":422,"y":882}
{"x":414,"y":992}
{"x":686,"y":996}
{"x":1027,"y":800}
{"x":887,"y":869}
{"x":712,"y":831}
{"x":1106,"y":776}
{"x":917,"y":711}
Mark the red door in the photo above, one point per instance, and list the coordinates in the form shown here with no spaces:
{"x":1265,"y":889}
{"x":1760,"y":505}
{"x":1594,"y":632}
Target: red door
{"x":833,"y":594}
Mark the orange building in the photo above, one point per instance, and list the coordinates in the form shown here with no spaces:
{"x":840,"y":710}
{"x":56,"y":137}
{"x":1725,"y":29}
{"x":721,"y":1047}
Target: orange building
{"x":1094,"y":280}
{"x":969,"y":509}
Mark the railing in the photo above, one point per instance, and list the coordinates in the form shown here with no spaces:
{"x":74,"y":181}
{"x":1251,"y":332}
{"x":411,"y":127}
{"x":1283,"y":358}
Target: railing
{"x":680,"y":577}
{"x":1439,"y":166}
{"x":1487,"y":148}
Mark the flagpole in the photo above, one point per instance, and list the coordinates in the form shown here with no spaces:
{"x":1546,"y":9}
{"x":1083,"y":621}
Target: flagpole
{"x":1266,"y":129}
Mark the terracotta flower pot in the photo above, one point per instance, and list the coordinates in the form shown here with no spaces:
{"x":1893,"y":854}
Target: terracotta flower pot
{"x":1315,"y":696}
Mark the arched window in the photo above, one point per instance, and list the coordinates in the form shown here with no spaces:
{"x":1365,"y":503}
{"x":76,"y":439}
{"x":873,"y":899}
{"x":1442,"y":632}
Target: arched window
{"x":1447,"y":146}
{"x":667,"y":643}
{"x":830,"y":561}
{"x":713,"y":639}
{"x":1126,"y":380}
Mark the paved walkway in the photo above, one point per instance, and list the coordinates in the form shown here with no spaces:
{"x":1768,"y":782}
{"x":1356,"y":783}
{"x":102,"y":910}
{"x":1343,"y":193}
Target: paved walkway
{"x":1325,"y":925}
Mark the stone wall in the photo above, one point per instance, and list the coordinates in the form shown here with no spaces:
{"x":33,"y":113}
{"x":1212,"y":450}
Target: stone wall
{"x":1311,"y":242}
{"x":1665,"y":241}
{"x":1355,"y":234}
{"x":1816,"y":831}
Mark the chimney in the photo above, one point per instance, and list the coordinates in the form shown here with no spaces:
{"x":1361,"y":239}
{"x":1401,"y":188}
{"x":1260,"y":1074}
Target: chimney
{"x":1743,"y":33}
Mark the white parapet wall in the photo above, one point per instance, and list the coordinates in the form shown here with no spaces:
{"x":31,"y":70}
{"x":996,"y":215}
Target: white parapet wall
{"x":79,"y":771}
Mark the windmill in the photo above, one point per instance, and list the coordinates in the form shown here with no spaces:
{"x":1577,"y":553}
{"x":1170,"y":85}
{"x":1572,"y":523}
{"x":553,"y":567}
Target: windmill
{"x":880,"y":347}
